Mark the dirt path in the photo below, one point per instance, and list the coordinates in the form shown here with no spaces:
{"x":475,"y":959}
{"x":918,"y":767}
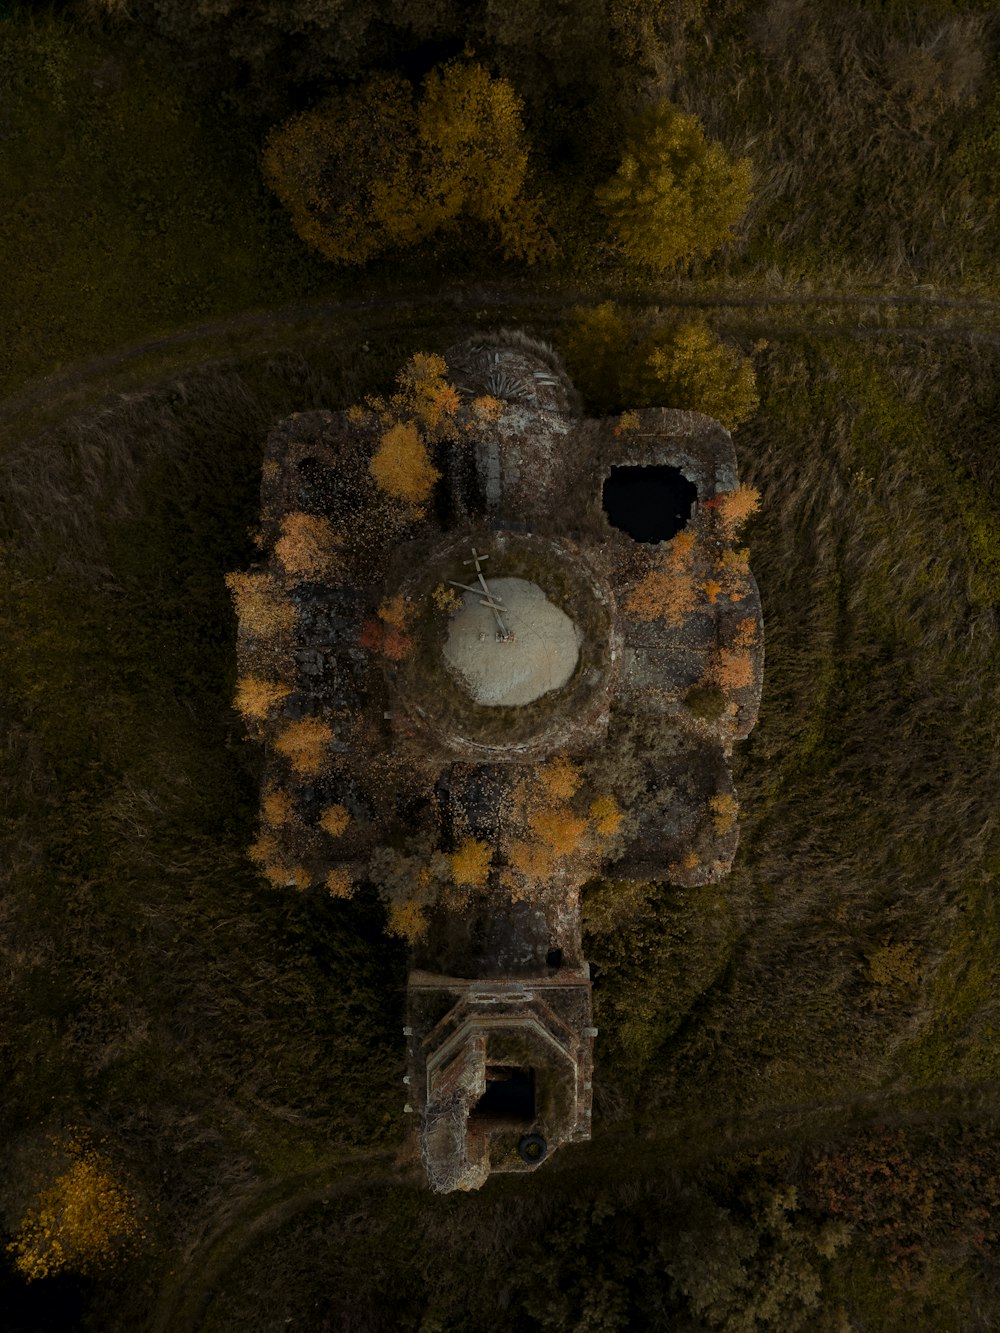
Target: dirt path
{"x":245,"y":1219}
{"x":249,"y":1217}
{"x":54,"y":392}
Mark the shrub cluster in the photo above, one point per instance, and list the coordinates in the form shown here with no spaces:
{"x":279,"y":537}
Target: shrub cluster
{"x":82,"y":1222}
{"x":619,"y":361}
{"x":379,"y":167}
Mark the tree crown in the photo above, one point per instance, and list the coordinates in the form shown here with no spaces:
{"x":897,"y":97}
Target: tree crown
{"x":676,"y":194}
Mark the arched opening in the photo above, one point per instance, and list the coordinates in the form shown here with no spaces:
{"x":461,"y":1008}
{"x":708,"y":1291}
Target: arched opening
{"x":651,"y":504}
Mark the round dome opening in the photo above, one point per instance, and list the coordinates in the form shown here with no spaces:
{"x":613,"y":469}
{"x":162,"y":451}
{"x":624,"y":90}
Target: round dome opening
{"x":513,"y":652}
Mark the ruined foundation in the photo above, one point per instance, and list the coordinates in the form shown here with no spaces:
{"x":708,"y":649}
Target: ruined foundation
{"x":433,"y":787}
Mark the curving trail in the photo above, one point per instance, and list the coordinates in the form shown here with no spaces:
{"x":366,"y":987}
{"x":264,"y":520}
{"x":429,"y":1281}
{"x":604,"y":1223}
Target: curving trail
{"x":251,"y":1216}
{"x":245,"y":1219}
{"x":55,"y":393}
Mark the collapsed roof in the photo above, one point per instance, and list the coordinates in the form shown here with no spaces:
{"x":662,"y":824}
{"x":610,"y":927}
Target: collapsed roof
{"x":396,"y":753}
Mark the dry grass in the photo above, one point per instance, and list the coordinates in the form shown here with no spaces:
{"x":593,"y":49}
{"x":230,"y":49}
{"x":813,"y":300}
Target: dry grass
{"x":176,"y":970}
{"x":867,"y":786}
{"x":874,"y":190}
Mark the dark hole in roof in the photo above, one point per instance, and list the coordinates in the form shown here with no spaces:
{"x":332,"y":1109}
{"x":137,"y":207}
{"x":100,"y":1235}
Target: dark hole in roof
{"x":651,"y":504}
{"x":510,"y":1094}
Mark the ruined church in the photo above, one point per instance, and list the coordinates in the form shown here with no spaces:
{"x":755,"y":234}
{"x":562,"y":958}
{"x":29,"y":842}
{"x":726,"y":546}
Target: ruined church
{"x":494,"y":650}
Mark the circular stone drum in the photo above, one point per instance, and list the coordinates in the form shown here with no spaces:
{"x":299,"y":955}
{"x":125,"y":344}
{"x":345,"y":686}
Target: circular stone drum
{"x":470,"y":694}
{"x":535,"y":651}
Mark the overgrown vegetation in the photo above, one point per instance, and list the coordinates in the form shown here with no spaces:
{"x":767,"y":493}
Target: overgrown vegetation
{"x":871,"y":136}
{"x":372,"y":169}
{"x":675,"y":196}
{"x":218,"y":1033}
{"x":876,"y":914}
{"x":153,"y":991}
{"x":630,"y":361}
{"x":765,"y":1239}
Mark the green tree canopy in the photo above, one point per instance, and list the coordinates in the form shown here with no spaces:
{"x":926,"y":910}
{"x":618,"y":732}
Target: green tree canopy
{"x":373,"y":168}
{"x":618,"y":363}
{"x":676,"y":194}
{"x":690,"y":367}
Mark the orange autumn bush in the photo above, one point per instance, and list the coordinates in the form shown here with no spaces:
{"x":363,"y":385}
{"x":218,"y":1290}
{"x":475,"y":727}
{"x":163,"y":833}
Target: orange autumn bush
{"x":277,"y":808}
{"x":735,"y":507}
{"x":554,"y":827}
{"x":401,"y":465}
{"x":306,"y":545}
{"x":470,"y":863}
{"x":670,"y":590}
{"x":304,"y":744}
{"x":339,"y":883}
{"x":408,"y":920}
{"x":734,"y":670}
{"x":334,"y":820}
{"x":262,"y":607}
{"x":255,"y":697}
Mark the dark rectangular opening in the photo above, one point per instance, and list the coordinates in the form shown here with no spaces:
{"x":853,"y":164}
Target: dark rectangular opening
{"x":509,"y":1095}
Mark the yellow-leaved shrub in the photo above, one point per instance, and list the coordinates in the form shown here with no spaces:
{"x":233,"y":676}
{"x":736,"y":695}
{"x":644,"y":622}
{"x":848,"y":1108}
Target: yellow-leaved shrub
{"x":401,"y":465}
{"x":620,"y":361}
{"x":670,"y":590}
{"x":306,"y":545}
{"x":262,"y":606}
{"x":255,"y":697}
{"x":334,"y":820}
{"x":80,"y":1223}
{"x":470,"y":863}
{"x":305,"y":744}
{"x":676,"y":195}
{"x":374,"y":166}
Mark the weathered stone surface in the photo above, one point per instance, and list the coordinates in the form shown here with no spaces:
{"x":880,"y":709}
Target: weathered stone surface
{"x":500,"y":1042}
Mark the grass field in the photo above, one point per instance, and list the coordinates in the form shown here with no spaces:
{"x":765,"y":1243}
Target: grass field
{"x":869,"y":824}
{"x":218,"y":1033}
{"x":130,"y":208}
{"x":827,"y":1017}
